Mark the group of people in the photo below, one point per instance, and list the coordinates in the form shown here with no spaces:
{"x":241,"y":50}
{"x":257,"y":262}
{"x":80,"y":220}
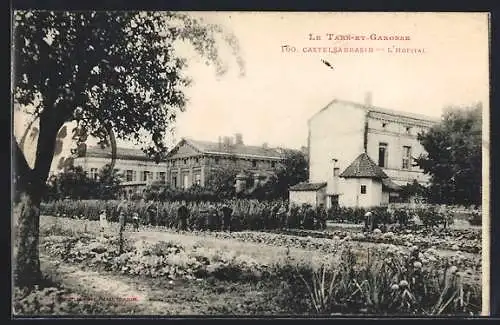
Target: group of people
{"x":222,"y":216}
{"x":306,"y":217}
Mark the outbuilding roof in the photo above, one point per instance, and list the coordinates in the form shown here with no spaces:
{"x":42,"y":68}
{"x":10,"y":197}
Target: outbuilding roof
{"x":307,"y":186}
{"x":363,"y":167}
{"x":388,"y":184}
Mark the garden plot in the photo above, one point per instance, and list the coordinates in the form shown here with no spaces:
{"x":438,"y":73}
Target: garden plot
{"x":384,"y":279}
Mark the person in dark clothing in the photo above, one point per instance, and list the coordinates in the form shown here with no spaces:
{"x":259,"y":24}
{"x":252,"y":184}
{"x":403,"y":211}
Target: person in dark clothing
{"x":369,"y":221}
{"x":151,"y":214}
{"x":281,"y":216}
{"x":308,"y":220}
{"x":212,"y":218}
{"x":226,"y":213}
{"x":293,"y":216}
{"x":182,"y":215}
{"x":321,"y":216}
{"x":135,"y":220}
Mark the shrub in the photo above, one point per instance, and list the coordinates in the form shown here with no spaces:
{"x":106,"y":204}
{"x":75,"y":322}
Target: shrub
{"x":475,"y":219}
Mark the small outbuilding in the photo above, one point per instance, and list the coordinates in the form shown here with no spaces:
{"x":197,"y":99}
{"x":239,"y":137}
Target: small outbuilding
{"x":308,"y":193}
{"x":365,"y":184}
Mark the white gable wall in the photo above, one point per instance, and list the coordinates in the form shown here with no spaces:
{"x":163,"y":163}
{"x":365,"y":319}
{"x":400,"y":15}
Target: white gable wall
{"x":336,"y":132}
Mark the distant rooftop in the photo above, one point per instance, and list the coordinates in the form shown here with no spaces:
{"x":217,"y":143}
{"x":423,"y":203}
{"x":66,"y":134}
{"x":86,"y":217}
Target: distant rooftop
{"x":374,"y":109}
{"x":235,"y":149}
{"x":121,"y":153}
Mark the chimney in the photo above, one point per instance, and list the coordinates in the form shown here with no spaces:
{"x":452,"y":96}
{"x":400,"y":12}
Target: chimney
{"x":368,"y":99}
{"x":227,"y":142}
{"x":264,"y":145}
{"x":334,"y":178}
{"x":238,"y":138}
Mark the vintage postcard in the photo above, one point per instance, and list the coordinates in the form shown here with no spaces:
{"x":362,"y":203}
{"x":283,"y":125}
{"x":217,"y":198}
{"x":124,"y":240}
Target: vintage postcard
{"x":250,"y":163}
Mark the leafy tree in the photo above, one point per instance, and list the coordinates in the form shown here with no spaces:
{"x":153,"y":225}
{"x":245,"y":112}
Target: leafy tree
{"x":72,"y":183}
{"x":221,"y":181}
{"x":294,"y":169}
{"x":114,"y":73}
{"x":453,"y":158}
{"x":414,"y":189}
{"x":108,"y":182}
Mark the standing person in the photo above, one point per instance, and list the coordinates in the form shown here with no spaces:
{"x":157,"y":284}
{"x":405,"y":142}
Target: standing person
{"x":103,"y":221}
{"x":217,"y":216}
{"x":274,"y":216}
{"x":308,"y":217}
{"x":135,"y":221}
{"x":281,"y":215}
{"x":226,"y":213}
{"x":235,"y":218}
{"x":321,"y":216}
{"x":204,"y":215}
{"x":293,"y":216}
{"x":369,"y":221}
{"x":182,"y":216}
{"x":211,"y":217}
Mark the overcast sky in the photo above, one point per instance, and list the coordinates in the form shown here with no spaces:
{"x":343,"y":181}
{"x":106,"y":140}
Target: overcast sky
{"x":281,"y":91}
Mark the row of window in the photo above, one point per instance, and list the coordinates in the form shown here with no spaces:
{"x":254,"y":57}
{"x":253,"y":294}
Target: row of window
{"x":408,"y":129}
{"x":183,"y":162}
{"x":131,"y":176}
{"x":94,"y":173}
{"x":185,"y":180}
{"x":383,"y":156}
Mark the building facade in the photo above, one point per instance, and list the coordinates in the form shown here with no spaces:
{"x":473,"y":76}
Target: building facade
{"x":343,"y":130}
{"x":313,"y":194}
{"x":135,"y":168}
{"x":191,"y":161}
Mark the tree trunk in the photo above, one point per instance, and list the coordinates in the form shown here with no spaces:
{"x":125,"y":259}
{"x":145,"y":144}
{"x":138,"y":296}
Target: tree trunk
{"x":26,"y":253}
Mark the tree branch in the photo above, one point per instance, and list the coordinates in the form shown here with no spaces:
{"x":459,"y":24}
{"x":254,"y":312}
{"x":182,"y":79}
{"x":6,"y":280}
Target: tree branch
{"x":23,"y":139}
{"x":22,"y":166}
{"x":49,"y":126}
{"x":21,"y":171}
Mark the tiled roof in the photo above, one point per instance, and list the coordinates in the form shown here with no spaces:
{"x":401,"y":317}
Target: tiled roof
{"x":363,"y":167}
{"x":121,"y":153}
{"x":388,"y":184}
{"x":307,"y":186}
{"x":235,"y":149}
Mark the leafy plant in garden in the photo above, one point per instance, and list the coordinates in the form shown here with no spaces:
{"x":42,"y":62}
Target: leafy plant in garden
{"x":390,"y":279}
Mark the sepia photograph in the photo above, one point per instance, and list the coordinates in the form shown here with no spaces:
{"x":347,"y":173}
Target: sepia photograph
{"x":249,"y":164}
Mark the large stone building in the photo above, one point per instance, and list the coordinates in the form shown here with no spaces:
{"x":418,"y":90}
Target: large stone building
{"x":135,"y":168}
{"x":345,"y":133}
{"x":191,"y":161}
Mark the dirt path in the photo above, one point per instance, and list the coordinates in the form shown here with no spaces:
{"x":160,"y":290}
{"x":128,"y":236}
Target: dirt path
{"x":122,"y":289}
{"x":158,"y":296}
